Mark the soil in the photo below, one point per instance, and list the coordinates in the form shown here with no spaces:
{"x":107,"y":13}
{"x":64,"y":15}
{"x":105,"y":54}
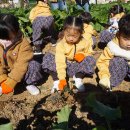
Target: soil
{"x":27,"y":112}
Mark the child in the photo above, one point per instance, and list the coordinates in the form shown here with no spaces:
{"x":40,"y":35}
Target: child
{"x":73,"y":56}
{"x":114,"y":62}
{"x":115,"y":13}
{"x":42,"y":22}
{"x":83,"y":4}
{"x":15,"y":53}
{"x":58,"y":4}
{"x":89,"y":32}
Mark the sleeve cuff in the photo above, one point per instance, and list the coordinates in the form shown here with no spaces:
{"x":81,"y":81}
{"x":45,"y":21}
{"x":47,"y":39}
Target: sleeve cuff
{"x":105,"y":76}
{"x":3,"y":77}
{"x":10,"y":82}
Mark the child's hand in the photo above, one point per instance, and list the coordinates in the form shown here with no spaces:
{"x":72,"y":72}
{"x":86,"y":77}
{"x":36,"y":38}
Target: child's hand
{"x":79,"y":57}
{"x":6,"y":89}
{"x":105,"y":83}
{"x":62,"y":84}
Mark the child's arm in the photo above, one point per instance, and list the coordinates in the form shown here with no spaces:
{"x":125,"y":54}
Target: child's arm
{"x":103,"y":66}
{"x":95,"y":32}
{"x":60,"y":61}
{"x":103,"y":63}
{"x":3,"y":73}
{"x":88,"y":49}
{"x":25,"y":54}
{"x":31,"y":15}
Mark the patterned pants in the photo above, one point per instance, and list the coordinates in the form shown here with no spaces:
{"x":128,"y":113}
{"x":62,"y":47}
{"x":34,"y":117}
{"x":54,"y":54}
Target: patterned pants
{"x":42,"y":25}
{"x":85,"y":67}
{"x":119,"y":69}
{"x":106,"y":36}
{"x":34,"y":73}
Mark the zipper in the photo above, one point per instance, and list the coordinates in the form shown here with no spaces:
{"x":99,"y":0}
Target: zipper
{"x":74,"y":49}
{"x":5,"y":57}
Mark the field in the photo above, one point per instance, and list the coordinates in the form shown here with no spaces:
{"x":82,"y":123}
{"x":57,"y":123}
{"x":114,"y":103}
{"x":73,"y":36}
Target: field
{"x":68,"y":110}
{"x":28,"y":112}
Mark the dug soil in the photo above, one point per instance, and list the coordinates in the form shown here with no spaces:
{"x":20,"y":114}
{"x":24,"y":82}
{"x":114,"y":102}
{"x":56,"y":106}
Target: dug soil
{"x":27,"y":112}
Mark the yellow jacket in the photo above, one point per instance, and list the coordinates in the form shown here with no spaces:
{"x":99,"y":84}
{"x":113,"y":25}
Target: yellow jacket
{"x":41,"y":9}
{"x":119,"y":16}
{"x":17,"y":57}
{"x":112,"y":49}
{"x":89,"y":32}
{"x":67,"y":51}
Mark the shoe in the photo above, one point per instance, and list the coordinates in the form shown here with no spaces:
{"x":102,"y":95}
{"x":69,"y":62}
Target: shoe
{"x":53,"y":42}
{"x":53,"y":45}
{"x":33,"y":90}
{"x":37,"y":50}
{"x":55,"y":86}
{"x":79,"y":84}
{"x":0,"y":91}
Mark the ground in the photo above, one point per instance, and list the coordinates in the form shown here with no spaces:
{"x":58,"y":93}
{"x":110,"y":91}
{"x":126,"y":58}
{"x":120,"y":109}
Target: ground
{"x":28,"y":112}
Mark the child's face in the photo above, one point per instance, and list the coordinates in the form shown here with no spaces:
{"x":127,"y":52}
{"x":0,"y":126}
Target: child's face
{"x":124,"y":42}
{"x":72,"y":35}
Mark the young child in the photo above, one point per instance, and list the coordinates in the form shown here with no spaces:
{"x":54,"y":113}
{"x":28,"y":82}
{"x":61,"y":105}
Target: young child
{"x":89,"y":32}
{"x":115,"y":13}
{"x":73,"y":56}
{"x":15,"y":53}
{"x":114,"y":62}
{"x":42,"y":23}
{"x":83,"y":4}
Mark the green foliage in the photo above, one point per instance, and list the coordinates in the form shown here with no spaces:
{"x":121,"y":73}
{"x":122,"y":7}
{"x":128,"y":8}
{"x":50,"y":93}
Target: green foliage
{"x":22,"y":15}
{"x":99,"y":13}
{"x":104,"y":111}
{"x":99,"y":128}
{"x":62,"y":119}
{"x":60,"y":16}
{"x":6,"y":126}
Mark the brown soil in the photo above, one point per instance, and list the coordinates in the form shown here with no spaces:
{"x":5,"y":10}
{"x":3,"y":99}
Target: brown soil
{"x":28,"y":112}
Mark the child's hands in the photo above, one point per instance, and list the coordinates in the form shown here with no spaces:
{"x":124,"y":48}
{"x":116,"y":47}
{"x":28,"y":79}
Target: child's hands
{"x":62,"y":84}
{"x":6,"y":89}
{"x":79,"y":57}
{"x":105,"y":83}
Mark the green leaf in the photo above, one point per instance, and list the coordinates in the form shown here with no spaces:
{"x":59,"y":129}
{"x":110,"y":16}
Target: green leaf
{"x":103,"y":110}
{"x":23,"y":19}
{"x":8,"y":126}
{"x":63,"y":115}
{"x":61,"y":126}
{"x":99,"y":128}
{"x":62,"y":119}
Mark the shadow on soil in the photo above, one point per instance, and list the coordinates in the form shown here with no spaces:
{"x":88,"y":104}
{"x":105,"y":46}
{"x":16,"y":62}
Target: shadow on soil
{"x":42,"y":118}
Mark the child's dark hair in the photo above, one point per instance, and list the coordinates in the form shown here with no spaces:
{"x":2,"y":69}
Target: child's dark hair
{"x":124,"y":25}
{"x":39,"y":0}
{"x":86,"y":17}
{"x":75,"y":22}
{"x":8,"y":25}
{"x":116,"y":9}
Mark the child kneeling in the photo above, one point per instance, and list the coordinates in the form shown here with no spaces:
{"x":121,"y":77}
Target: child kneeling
{"x":73,"y":56}
{"x":114,"y":62}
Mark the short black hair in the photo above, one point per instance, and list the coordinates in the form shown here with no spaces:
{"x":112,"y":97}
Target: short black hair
{"x":39,"y":0}
{"x":116,"y":9}
{"x":124,"y":25}
{"x":8,"y":24}
{"x":73,"y":21}
{"x":86,"y":17}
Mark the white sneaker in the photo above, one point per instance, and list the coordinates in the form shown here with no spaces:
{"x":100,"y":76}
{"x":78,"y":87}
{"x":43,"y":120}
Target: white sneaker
{"x":79,"y":84}
{"x":37,"y":53}
{"x":33,"y":90}
{"x":0,"y":91}
{"x":55,"y":86}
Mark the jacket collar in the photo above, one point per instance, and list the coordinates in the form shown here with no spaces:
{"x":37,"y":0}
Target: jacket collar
{"x":42,"y":4}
